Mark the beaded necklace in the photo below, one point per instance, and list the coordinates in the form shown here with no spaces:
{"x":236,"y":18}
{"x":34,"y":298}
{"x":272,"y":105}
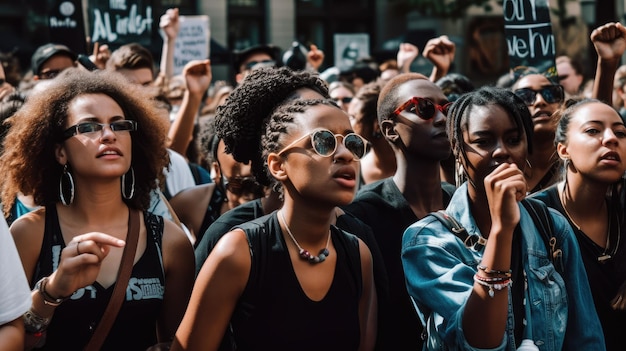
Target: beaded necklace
{"x":304,"y":254}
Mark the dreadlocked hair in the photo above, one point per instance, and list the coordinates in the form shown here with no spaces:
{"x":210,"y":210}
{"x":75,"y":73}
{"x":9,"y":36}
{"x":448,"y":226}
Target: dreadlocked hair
{"x":245,"y":112}
{"x":278,"y":125}
{"x":460,"y":112}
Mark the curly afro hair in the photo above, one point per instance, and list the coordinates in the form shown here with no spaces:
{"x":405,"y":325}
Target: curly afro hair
{"x":241,"y":120}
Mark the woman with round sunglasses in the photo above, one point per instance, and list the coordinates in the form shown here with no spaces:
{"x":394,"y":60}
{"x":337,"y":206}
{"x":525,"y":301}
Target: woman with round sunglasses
{"x":90,"y":149}
{"x":318,"y":288}
{"x":411,"y":114}
{"x":543,"y":98}
{"x":501,"y":290}
{"x":591,"y":140}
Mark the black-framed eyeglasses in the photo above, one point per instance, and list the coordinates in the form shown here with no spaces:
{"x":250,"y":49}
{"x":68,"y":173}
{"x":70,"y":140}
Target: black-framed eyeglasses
{"x":423,"y":108}
{"x":345,"y":100}
{"x":243,"y":185}
{"x":264,"y":63}
{"x":51,"y":74}
{"x":550,"y":93}
{"x":125,"y":125}
{"x":325,"y":143}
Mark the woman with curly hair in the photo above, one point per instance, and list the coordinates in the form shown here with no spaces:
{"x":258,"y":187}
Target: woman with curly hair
{"x":292,"y":278}
{"x":90,"y":149}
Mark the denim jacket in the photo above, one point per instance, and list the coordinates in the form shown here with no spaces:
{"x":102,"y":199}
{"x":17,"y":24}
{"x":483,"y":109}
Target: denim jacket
{"x":439,"y":272}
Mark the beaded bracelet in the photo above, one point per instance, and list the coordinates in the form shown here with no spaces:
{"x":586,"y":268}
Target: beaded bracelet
{"x":492,"y":279}
{"x":494,"y":286}
{"x":492,"y":271}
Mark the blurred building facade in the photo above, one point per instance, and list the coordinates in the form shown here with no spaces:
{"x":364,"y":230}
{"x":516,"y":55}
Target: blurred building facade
{"x":236,"y":24}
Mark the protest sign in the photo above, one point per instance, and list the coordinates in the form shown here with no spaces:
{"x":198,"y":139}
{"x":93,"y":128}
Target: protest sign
{"x":193,"y":41}
{"x":531,"y":44}
{"x":349,"y":48}
{"x":120,"y":22}
{"x":66,"y":25}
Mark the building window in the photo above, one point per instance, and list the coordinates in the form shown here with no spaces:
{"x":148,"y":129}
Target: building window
{"x":246,"y":23}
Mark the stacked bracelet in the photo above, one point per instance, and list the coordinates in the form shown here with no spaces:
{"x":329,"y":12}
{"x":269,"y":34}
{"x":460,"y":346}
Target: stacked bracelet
{"x":493,"y":283}
{"x":47,"y":299}
{"x":487,"y":270}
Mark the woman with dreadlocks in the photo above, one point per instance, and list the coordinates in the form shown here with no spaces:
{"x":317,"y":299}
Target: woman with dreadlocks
{"x":292,"y":278}
{"x":496,"y":286}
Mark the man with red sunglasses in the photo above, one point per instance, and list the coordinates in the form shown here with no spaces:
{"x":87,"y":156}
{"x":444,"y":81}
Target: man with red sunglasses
{"x":412,"y":116}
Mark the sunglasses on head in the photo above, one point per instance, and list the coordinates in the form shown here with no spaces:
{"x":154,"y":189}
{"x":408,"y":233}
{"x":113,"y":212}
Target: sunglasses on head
{"x":550,"y":93}
{"x":423,"y":108}
{"x":243,"y":185}
{"x":325,"y":143}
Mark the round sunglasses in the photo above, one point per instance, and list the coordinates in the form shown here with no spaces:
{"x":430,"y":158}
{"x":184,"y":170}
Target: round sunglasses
{"x":423,"y":108}
{"x":550,"y":93}
{"x":325,"y":143}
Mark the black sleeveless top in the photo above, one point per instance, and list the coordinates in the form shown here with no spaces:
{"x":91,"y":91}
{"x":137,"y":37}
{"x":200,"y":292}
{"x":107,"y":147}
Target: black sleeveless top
{"x":274,"y":313}
{"x":75,"y":320}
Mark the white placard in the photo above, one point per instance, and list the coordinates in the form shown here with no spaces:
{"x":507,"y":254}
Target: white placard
{"x":193,"y":41}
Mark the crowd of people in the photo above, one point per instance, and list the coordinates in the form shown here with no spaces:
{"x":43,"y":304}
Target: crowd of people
{"x":374,"y":209}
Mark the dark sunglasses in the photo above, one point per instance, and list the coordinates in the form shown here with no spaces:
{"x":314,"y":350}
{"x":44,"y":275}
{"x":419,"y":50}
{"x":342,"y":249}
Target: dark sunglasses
{"x":550,"y":93}
{"x":51,"y":74}
{"x":2,"y":81}
{"x":423,"y":108}
{"x":345,"y":100}
{"x":93,"y":127}
{"x":264,"y":63}
{"x":243,"y":185}
{"x":325,"y":143}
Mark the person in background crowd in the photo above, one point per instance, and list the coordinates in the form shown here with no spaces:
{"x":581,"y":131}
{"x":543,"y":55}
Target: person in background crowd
{"x":544,"y":100}
{"x":265,"y":55}
{"x":453,"y":86}
{"x":15,"y":298}
{"x":491,"y":292}
{"x":591,"y":140}
{"x":342,"y":93}
{"x":388,"y":69}
{"x":571,"y":75}
{"x":6,"y":88}
{"x":411,"y":115}
{"x":380,"y":161}
{"x":310,"y":149}
{"x":51,"y":59}
{"x":97,"y":144}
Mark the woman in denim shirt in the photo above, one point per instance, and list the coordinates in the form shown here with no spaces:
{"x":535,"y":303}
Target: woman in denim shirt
{"x":474,"y":297}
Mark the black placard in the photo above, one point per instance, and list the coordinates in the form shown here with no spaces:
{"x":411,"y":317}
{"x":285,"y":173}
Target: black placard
{"x":66,"y":25}
{"x":529,"y":37}
{"x":119,"y":22}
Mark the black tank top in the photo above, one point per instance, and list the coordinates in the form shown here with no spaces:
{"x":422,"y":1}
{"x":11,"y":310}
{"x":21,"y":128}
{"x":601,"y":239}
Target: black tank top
{"x":75,"y":320}
{"x":274,"y":313}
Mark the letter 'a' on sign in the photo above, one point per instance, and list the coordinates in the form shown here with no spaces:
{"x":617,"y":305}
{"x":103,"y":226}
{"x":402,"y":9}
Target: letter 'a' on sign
{"x":529,"y":38}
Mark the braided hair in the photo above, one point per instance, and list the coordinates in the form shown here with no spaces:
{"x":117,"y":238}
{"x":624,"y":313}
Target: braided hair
{"x":460,"y":112}
{"x":242,"y":118}
{"x":278,"y":125}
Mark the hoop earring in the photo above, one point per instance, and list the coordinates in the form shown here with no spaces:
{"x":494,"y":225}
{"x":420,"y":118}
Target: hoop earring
{"x":128,"y":193}
{"x":68,"y":180}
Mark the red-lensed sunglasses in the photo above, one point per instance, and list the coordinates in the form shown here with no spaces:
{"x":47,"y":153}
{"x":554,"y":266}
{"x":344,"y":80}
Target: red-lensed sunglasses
{"x":423,"y":108}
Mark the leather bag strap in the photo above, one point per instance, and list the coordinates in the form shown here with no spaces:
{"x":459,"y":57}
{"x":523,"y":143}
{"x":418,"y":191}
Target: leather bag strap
{"x":123,"y":275}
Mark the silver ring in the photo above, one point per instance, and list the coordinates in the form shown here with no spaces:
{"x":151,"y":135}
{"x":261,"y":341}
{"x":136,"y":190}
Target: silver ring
{"x":77,"y":250}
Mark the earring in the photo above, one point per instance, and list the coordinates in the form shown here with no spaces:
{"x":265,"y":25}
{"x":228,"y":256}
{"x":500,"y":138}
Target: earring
{"x":459,"y":174}
{"x":528,"y":164}
{"x":128,"y":193}
{"x":69,"y":180}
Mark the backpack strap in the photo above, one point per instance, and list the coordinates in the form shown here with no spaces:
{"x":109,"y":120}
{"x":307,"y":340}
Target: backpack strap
{"x":543,"y":221}
{"x":474,"y":241}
